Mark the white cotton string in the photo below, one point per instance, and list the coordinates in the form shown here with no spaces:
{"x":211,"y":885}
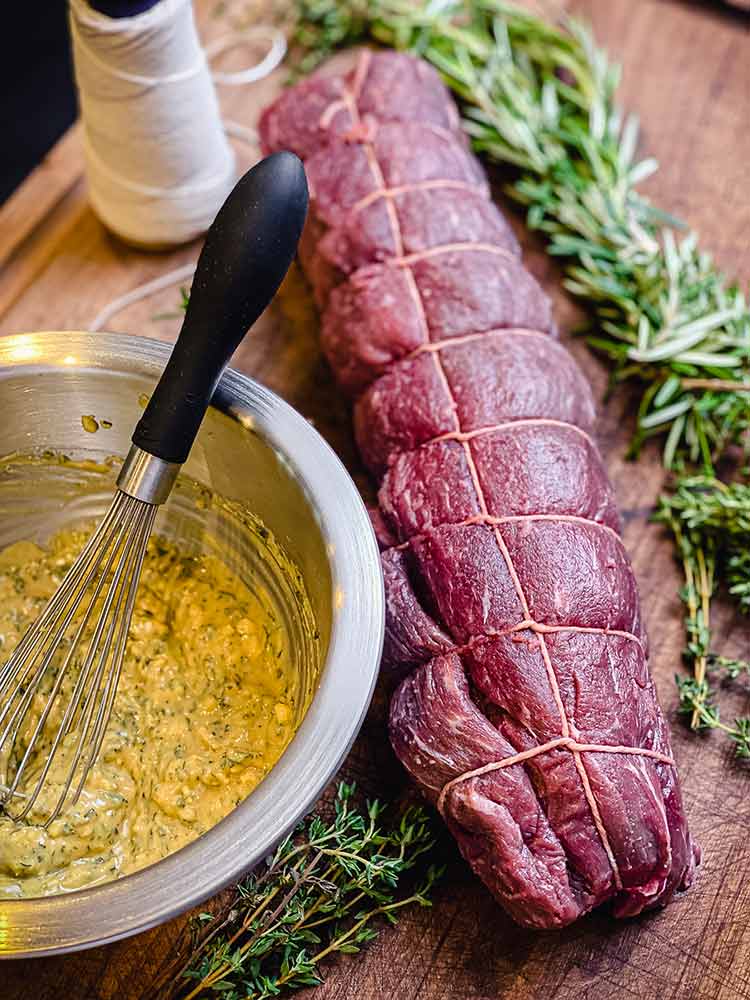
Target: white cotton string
{"x":159,"y":163}
{"x":179,"y":274}
{"x":243,"y":132}
{"x":143,"y":291}
{"x":159,"y":208}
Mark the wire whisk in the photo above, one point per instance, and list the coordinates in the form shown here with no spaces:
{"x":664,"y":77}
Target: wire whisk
{"x":58,"y":688}
{"x":95,"y":600}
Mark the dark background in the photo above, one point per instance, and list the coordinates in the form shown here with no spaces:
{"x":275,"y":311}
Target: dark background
{"x":37,"y":95}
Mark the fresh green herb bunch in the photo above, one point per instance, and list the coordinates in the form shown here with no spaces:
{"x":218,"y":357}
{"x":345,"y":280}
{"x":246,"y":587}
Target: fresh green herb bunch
{"x":540,"y":97}
{"x":710,"y":522}
{"x":326,"y":889}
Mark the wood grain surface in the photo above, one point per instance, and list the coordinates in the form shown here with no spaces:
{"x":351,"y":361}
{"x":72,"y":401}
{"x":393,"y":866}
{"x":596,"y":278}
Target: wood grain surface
{"x":687,"y":74}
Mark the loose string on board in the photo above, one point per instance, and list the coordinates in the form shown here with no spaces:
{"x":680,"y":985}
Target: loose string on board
{"x":232,"y":40}
{"x":184,"y":273}
{"x":158,"y":157}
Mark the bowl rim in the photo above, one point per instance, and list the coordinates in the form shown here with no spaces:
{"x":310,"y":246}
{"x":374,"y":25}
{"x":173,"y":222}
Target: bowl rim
{"x":106,"y":913}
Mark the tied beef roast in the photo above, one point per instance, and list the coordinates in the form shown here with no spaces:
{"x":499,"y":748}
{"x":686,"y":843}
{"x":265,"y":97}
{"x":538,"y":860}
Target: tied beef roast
{"x":526,"y":711}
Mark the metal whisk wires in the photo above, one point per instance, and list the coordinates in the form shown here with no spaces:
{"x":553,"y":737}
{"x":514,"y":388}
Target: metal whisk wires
{"x":58,"y":688}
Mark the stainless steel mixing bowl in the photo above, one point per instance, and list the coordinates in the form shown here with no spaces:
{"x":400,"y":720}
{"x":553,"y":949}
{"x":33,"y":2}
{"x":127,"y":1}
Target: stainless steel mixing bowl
{"x":254,"y":449}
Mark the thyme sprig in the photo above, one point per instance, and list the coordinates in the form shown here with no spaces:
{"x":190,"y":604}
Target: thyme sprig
{"x":327,"y":889}
{"x":540,"y":98}
{"x":710,"y":523}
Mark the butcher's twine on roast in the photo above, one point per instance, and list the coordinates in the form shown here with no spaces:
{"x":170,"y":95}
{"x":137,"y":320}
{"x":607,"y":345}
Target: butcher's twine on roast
{"x":526,"y":712}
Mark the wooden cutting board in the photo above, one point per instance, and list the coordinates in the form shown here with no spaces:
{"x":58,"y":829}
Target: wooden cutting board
{"x":687,"y":74}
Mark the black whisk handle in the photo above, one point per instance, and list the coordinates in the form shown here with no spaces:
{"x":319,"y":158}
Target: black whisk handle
{"x":248,"y":250}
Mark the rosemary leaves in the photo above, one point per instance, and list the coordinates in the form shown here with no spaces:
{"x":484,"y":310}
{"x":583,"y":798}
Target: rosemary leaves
{"x":327,"y":888}
{"x":540,"y":98}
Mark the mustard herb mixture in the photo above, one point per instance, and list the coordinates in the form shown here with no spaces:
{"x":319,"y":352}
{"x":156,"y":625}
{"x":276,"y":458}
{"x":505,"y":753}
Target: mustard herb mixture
{"x":205,"y":707}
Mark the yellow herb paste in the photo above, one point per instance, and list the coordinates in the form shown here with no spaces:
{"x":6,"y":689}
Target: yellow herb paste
{"x":205,"y":707}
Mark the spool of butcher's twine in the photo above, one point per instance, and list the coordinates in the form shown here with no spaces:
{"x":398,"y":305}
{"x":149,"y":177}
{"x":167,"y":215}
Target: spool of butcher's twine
{"x":158,"y":160}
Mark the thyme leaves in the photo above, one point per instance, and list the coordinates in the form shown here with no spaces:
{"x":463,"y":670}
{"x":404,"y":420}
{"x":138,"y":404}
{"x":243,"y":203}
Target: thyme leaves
{"x":327,"y":889}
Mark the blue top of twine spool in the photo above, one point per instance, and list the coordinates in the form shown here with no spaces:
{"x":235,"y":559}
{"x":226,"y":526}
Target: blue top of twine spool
{"x":122,"y":8}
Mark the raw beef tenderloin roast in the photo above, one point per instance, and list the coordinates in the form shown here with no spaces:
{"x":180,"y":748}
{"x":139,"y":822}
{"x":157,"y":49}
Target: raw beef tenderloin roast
{"x":526,"y":712}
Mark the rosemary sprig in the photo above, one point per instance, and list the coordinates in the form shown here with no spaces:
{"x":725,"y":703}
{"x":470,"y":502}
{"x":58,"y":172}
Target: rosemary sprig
{"x":326,"y":889}
{"x":540,"y":98}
